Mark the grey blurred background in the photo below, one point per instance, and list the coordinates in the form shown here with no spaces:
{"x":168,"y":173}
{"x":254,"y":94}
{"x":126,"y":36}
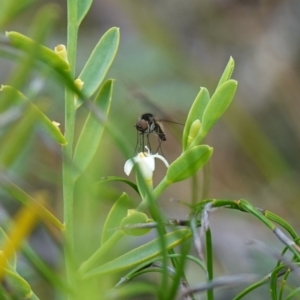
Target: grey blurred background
{"x":168,"y":50}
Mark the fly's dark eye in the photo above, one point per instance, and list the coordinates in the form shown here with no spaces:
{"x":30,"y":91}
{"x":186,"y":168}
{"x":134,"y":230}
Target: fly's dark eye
{"x":141,"y":125}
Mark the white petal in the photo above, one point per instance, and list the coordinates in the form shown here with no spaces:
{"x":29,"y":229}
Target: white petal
{"x":128,"y":166}
{"x":149,"y":160}
{"x":162,"y":159}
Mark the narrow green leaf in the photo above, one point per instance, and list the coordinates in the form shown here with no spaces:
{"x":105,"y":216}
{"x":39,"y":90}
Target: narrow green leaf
{"x":48,"y":56}
{"x":10,"y":97}
{"x":116,"y":178}
{"x":115,"y":216}
{"x":227,"y":72}
{"x":142,"y":253}
{"x":14,"y":140}
{"x":99,"y":257}
{"x":271,"y":216}
{"x":92,"y":130}
{"x":216,"y":107}
{"x":292,"y":294}
{"x":188,"y":163}
{"x":83,"y":7}
{"x":195,"y":113}
{"x":99,"y":62}
{"x":19,"y":286}
{"x":136,"y":290}
{"x":19,"y":194}
{"x":16,"y":97}
{"x":40,"y":54}
{"x":4,"y":240}
{"x":245,"y":205}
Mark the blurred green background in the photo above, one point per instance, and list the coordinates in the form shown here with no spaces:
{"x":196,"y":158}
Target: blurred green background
{"x":168,"y":50}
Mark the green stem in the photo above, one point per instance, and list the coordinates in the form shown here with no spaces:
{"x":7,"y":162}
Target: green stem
{"x":155,"y":194}
{"x":209,"y":262}
{"x":68,"y":182}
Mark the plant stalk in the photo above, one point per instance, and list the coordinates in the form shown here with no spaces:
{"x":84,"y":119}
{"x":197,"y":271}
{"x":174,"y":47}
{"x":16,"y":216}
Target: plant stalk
{"x":68,"y":181}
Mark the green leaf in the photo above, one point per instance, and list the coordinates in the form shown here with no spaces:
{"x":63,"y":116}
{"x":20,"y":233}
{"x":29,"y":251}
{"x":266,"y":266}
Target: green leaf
{"x":227,"y":72}
{"x":188,"y":163}
{"x":14,"y":141}
{"x":142,"y":253}
{"x":16,"y":97}
{"x":99,"y":62}
{"x":216,"y":107}
{"x":92,"y":130}
{"x":19,"y":194}
{"x":83,"y":7}
{"x":136,"y":290}
{"x":48,"y":56}
{"x":40,"y":54}
{"x":115,"y":216}
{"x":19,"y":286}
{"x":10,"y":98}
{"x":116,"y":178}
{"x":4,"y":240}
{"x":195,"y":113}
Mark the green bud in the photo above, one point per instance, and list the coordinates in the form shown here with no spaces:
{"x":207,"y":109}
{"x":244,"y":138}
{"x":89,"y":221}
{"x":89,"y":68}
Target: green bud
{"x":194,"y":130}
{"x":218,"y":104}
{"x":135,"y":217}
{"x":188,"y":163}
{"x":195,"y":113}
{"x":227,"y":72}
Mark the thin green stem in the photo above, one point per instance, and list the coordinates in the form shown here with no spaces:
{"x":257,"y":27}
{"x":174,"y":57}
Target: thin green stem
{"x":209,"y":262}
{"x":155,"y":194}
{"x":68,"y":182}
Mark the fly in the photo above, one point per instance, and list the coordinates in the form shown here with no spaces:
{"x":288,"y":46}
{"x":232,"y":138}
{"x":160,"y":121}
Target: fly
{"x":146,"y":125}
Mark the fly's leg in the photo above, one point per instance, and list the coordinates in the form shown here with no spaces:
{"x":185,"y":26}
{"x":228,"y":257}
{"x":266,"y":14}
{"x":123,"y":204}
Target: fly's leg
{"x":138,"y":143}
{"x":148,"y":142}
{"x":159,"y":146}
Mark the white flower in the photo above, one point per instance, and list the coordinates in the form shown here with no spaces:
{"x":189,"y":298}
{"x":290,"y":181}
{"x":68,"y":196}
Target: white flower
{"x":145,"y":162}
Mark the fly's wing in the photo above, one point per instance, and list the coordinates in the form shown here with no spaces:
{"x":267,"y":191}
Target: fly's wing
{"x":164,"y":116}
{"x":160,"y":132}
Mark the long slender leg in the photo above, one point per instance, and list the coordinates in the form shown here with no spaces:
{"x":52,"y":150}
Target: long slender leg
{"x":159,"y":146}
{"x":143,"y":143}
{"x":138,"y":143}
{"x":148,"y":141}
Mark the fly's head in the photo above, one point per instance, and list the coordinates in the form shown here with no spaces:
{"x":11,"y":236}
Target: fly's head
{"x":142,"y":126}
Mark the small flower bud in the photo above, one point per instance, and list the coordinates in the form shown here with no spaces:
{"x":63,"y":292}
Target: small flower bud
{"x":56,"y":124}
{"x":61,"y":51}
{"x":79,"y":83}
{"x":194,"y":130}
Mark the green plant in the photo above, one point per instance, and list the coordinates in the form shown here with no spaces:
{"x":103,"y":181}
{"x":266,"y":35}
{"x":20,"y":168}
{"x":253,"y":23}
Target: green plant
{"x":93,"y":274}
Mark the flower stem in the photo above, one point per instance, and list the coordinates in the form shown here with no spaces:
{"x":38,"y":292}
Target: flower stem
{"x":155,"y":194}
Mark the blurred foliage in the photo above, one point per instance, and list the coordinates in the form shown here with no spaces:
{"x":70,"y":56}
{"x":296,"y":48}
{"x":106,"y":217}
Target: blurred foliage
{"x":167,"y":48}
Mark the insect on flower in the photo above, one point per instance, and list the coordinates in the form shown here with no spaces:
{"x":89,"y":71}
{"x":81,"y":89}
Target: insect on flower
{"x":146,"y":125}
